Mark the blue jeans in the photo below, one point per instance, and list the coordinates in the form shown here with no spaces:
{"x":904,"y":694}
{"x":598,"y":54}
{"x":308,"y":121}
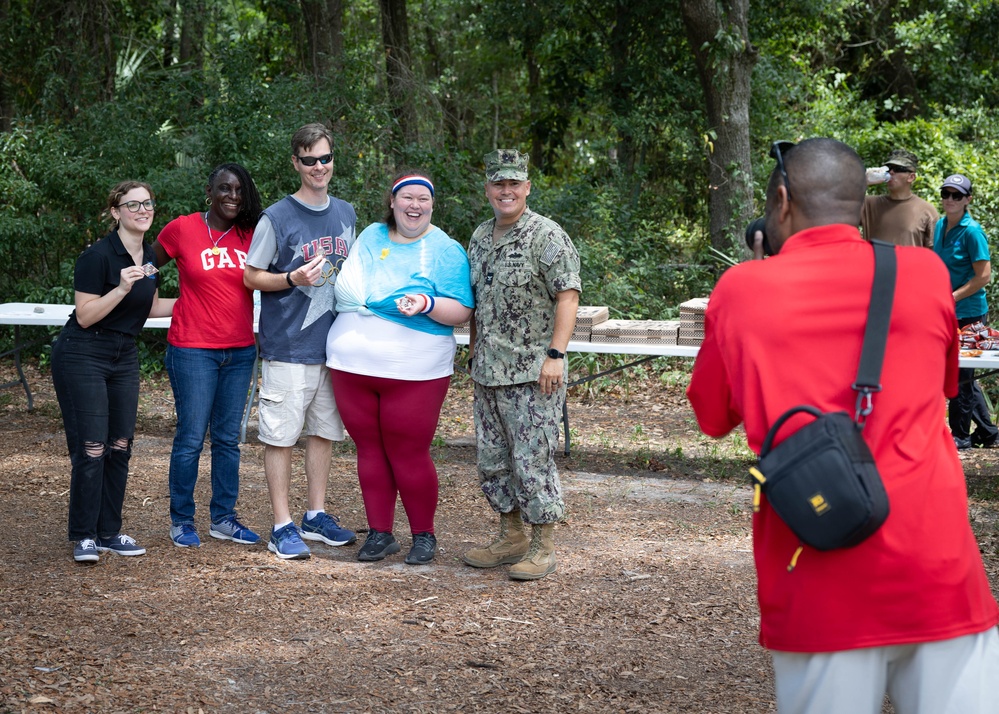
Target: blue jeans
{"x":96,"y":378}
{"x":209,"y":391}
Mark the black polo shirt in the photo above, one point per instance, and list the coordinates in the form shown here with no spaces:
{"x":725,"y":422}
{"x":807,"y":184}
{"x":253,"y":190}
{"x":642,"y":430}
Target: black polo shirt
{"x":98,"y":272}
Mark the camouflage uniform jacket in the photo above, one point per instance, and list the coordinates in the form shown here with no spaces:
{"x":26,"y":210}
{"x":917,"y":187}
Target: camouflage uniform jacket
{"x":515,"y":280}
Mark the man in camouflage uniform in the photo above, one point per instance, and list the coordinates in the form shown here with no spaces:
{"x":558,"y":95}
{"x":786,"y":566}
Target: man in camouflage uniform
{"x":525,"y":275}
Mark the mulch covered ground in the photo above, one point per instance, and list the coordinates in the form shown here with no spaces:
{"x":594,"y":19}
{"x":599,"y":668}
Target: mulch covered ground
{"x":652,"y":608}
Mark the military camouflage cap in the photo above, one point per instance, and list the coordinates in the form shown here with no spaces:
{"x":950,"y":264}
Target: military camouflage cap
{"x":506,"y":164}
{"x":903,"y":158}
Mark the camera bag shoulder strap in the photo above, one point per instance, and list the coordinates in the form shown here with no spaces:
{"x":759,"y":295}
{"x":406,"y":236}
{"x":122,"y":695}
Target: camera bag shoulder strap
{"x":879,"y":312}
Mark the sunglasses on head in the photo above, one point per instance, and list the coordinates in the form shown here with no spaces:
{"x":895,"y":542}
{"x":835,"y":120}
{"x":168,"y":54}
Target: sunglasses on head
{"x":954,"y":195}
{"x":896,"y":169}
{"x":311,"y":160}
{"x":777,"y":151}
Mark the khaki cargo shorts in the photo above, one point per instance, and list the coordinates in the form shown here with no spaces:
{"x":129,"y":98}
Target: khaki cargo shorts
{"x":293,"y":396}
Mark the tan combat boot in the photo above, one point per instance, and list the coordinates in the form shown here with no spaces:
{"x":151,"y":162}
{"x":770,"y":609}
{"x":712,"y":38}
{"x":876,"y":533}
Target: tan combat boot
{"x":540,"y":558}
{"x":509,"y":546}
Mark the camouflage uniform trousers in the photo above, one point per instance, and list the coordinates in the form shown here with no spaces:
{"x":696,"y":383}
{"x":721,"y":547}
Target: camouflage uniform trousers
{"x":517,"y":433}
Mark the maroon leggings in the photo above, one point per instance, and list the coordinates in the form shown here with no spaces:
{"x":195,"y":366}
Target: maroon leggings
{"x":393,"y":421}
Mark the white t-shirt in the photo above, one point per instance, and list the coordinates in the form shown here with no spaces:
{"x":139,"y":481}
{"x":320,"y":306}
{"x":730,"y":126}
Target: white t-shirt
{"x":372,"y":346}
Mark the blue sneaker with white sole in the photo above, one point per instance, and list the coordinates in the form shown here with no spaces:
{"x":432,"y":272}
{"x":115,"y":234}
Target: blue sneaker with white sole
{"x":327,"y":528}
{"x":229,"y":528}
{"x":85,"y":551}
{"x":287,"y":544}
{"x":120,"y":544}
{"x":185,"y":536}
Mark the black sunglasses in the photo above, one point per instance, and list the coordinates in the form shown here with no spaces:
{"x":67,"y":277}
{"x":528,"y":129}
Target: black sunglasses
{"x":956,"y":195}
{"x":895,"y":169}
{"x":777,"y":151}
{"x":311,"y":160}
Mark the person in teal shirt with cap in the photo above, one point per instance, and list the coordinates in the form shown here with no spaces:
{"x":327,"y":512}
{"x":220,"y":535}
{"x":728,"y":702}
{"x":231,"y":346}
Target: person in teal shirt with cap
{"x":960,"y":242}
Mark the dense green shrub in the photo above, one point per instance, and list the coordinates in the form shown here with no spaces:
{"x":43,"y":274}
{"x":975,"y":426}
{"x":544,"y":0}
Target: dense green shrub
{"x":640,"y":231}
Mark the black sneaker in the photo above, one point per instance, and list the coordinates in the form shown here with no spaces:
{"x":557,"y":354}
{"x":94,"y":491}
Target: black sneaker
{"x":424,"y":549}
{"x":377,"y":545}
{"x":987,"y":443}
{"x":962,"y":444}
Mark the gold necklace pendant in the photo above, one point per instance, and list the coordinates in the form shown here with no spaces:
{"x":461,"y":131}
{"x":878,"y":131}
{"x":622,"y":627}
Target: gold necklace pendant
{"x":215,"y":243}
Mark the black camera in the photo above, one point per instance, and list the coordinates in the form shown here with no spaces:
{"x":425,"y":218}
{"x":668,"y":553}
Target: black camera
{"x":758,"y":224}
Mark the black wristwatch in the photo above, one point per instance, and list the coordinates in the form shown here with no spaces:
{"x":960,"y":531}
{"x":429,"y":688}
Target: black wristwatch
{"x":555,"y":354}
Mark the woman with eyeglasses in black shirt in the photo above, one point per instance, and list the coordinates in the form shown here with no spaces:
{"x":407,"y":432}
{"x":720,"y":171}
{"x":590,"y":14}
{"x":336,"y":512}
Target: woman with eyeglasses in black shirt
{"x":95,"y":368}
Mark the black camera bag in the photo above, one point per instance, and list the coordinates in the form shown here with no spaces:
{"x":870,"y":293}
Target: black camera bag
{"x":822,"y":480}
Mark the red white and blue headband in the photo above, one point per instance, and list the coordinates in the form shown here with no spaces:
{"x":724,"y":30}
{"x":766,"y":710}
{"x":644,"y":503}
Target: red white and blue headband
{"x":413,"y":181}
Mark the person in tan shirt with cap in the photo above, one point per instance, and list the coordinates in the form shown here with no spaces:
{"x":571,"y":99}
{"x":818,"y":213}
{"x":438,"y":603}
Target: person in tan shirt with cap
{"x":900,"y":216}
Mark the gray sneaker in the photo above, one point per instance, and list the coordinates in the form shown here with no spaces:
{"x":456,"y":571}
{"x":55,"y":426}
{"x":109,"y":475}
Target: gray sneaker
{"x":185,"y":536}
{"x":230,"y":528}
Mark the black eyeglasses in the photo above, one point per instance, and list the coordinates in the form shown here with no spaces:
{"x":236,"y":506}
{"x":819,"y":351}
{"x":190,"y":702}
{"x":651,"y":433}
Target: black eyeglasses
{"x":777,"y":151}
{"x":133,"y":206}
{"x":953,"y":195}
{"x":311,"y":160}
{"x":895,"y":169}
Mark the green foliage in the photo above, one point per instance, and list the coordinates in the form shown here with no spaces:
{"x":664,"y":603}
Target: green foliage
{"x":603,"y":93}
{"x":641,"y":266}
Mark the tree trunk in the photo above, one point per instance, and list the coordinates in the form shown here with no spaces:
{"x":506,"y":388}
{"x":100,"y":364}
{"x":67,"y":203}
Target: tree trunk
{"x":398,"y":72}
{"x":718,"y":34}
{"x":192,"y":32}
{"x":6,"y":96}
{"x":621,"y":99}
{"x":324,"y":30}
{"x":95,"y":44}
{"x":6,"y":107}
{"x":167,"y":48}
{"x":452,"y":113}
{"x":536,"y":98}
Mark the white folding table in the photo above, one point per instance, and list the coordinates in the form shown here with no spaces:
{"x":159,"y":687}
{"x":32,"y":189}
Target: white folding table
{"x":645,"y":352}
{"x":22,"y":314}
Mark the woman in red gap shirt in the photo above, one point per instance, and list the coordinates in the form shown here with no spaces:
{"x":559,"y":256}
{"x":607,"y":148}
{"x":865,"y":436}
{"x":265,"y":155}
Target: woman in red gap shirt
{"x":211,"y":349}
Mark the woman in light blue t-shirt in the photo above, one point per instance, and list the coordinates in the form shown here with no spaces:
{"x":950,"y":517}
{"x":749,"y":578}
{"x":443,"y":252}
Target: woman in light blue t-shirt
{"x":391,"y":350}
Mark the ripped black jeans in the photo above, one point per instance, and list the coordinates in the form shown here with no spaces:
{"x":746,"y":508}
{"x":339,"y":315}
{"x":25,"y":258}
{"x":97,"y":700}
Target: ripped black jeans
{"x":96,"y":377}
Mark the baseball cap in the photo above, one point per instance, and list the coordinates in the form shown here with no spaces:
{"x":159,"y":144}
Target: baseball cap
{"x":961,"y":183}
{"x":905,"y":159}
{"x":506,"y":164}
